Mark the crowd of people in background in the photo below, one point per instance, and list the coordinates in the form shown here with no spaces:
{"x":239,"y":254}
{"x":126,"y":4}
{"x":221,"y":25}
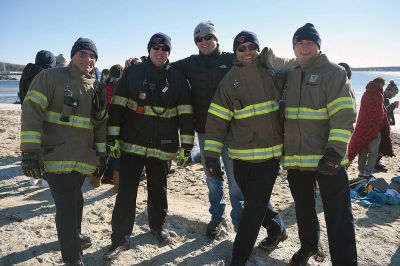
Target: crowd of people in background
{"x":252,"y":113}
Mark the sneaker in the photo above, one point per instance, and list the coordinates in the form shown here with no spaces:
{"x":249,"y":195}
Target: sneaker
{"x":271,"y":242}
{"x":85,"y":240}
{"x":114,"y":251}
{"x":380,"y":167}
{"x":162,"y":235}
{"x":302,"y":256}
{"x":213,"y":229}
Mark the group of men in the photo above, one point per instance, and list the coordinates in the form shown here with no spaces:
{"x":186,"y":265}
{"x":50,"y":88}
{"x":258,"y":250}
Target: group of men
{"x":241,"y":108}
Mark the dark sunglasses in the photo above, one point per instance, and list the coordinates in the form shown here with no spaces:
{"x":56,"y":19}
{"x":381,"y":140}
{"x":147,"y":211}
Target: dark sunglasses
{"x":83,"y":53}
{"x":242,"y":48}
{"x":204,"y":38}
{"x":158,"y":47}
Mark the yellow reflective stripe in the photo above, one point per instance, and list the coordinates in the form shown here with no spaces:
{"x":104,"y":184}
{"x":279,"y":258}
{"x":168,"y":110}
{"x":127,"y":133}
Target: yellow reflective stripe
{"x":213,"y":145}
{"x":38,"y":98}
{"x":31,"y":137}
{"x":306,"y":161}
{"x":67,"y":167}
{"x":187,"y":139}
{"x":256,"y":154}
{"x":148,"y":152}
{"x":74,"y":121}
{"x":340,"y":104}
{"x":220,"y":111}
{"x":148,"y":110}
{"x":113,"y":131}
{"x":185,"y":109}
{"x":101,"y":146}
{"x":119,"y":100}
{"x":306,"y":113}
{"x":256,"y":109}
{"x":342,"y":135}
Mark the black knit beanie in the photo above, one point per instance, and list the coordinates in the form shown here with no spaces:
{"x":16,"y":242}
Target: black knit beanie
{"x":84,"y":44}
{"x":45,"y":59}
{"x":159,"y":38}
{"x":243,"y":37}
{"x":307,"y":32}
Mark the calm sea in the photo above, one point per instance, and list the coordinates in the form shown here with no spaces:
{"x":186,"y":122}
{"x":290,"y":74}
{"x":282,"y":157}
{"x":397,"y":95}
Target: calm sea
{"x":9,"y":88}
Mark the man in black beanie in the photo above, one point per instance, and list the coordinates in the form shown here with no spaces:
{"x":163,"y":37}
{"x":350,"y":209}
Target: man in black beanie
{"x":63,"y":140}
{"x":319,"y":117}
{"x":150,"y":117}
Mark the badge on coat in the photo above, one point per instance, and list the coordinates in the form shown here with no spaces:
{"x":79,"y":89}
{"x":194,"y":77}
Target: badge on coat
{"x":314,"y":78}
{"x":236,"y":83}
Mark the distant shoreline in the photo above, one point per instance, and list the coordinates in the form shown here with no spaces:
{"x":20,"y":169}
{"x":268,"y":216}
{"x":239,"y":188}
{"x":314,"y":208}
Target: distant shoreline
{"x":389,"y":69}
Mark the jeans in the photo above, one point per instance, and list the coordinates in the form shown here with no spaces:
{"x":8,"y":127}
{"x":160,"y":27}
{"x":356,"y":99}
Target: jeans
{"x":216,"y":189}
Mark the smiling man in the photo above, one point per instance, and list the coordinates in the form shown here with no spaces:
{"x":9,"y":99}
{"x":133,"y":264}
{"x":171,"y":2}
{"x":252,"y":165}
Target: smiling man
{"x":62,"y":138}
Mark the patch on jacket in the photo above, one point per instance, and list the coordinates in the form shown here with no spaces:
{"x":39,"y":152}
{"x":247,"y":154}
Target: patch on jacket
{"x":223,"y":66}
{"x":236,"y":83}
{"x":166,"y":141}
{"x":313,"y":80}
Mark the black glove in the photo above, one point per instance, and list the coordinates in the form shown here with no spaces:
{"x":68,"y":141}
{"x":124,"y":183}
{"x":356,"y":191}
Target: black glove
{"x":101,"y":168}
{"x":32,"y":164}
{"x":213,"y":167}
{"x":330,"y":163}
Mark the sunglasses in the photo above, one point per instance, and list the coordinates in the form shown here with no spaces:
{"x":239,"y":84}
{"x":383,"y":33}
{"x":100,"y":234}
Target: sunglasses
{"x":158,"y":47}
{"x":83,"y":53}
{"x":251,"y":47}
{"x":204,"y":38}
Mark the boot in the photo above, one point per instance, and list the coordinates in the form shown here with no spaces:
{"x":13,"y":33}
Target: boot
{"x":95,"y":181}
{"x":116,"y":180}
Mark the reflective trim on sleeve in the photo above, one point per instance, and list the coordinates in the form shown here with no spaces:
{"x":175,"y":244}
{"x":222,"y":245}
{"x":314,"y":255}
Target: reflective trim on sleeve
{"x":101,"y":147}
{"x":220,"y":111}
{"x":306,"y":113}
{"x":38,"y":98}
{"x":113,"y":131}
{"x":31,"y":137}
{"x":185,"y":109}
{"x":213,"y":145}
{"x":187,"y":139}
{"x":340,"y":104}
{"x":119,"y":100}
{"x":256,"y":109}
{"x":342,"y":135}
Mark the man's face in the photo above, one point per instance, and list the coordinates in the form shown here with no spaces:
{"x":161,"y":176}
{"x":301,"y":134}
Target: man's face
{"x":206,"y":43}
{"x":84,"y":60}
{"x":305,"y":50}
{"x":246,"y":53}
{"x":159,"y":54}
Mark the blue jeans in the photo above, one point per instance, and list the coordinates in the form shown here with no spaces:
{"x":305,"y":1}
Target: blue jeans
{"x":216,"y":189}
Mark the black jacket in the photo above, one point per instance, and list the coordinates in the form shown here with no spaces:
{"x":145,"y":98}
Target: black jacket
{"x":149,"y":126}
{"x":204,"y":72}
{"x":30,"y":71}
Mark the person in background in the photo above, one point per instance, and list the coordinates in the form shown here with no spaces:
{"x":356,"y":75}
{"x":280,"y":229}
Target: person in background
{"x":44,"y":60}
{"x":347,"y":68}
{"x":390,"y":92}
{"x":372,"y":129}
{"x":63,"y":139}
{"x":319,"y":117}
{"x":105,"y":73}
{"x":245,"y":107}
{"x":150,"y":115}
{"x":61,"y":60}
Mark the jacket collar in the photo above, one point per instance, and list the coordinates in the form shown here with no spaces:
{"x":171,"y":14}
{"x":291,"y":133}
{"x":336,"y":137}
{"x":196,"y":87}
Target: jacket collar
{"x":316,"y":62}
{"x":76,"y":73}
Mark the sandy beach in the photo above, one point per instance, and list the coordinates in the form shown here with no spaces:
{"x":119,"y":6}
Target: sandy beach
{"x":28,"y":234}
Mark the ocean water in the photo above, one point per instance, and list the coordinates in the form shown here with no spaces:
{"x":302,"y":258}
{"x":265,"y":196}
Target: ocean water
{"x":9,"y":88}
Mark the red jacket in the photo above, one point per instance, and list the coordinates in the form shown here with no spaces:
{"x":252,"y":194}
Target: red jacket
{"x":110,"y":87}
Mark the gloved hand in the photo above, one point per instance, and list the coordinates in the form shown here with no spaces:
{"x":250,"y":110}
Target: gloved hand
{"x":32,"y":164}
{"x":101,"y":168}
{"x":113,"y":149}
{"x":184,"y":157}
{"x":329,"y":164}
{"x":213,"y":167}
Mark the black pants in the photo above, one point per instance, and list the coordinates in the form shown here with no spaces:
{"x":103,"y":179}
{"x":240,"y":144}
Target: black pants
{"x":124,"y":212}
{"x":256,"y":181}
{"x":67,"y":195}
{"x":335,"y":197}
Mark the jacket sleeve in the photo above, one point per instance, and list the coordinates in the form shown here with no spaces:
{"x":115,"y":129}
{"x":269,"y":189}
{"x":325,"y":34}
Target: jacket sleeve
{"x":99,"y":131}
{"x":220,"y":113}
{"x":341,"y":112}
{"x":34,"y":107}
{"x":118,"y":105}
{"x":277,"y":63}
{"x":185,"y":113}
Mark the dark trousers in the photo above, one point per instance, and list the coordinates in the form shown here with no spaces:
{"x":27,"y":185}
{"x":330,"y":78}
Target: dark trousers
{"x":123,"y":217}
{"x":111,"y":166}
{"x":335,"y":197}
{"x":256,"y":181}
{"x":67,"y":195}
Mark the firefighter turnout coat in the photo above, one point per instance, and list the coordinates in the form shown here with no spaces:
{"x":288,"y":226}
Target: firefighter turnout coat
{"x":319,"y":113}
{"x":245,"y":109}
{"x":67,"y":134}
{"x":149,"y":108}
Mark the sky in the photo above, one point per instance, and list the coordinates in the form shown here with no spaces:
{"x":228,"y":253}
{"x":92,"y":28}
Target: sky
{"x":361,"y":33}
